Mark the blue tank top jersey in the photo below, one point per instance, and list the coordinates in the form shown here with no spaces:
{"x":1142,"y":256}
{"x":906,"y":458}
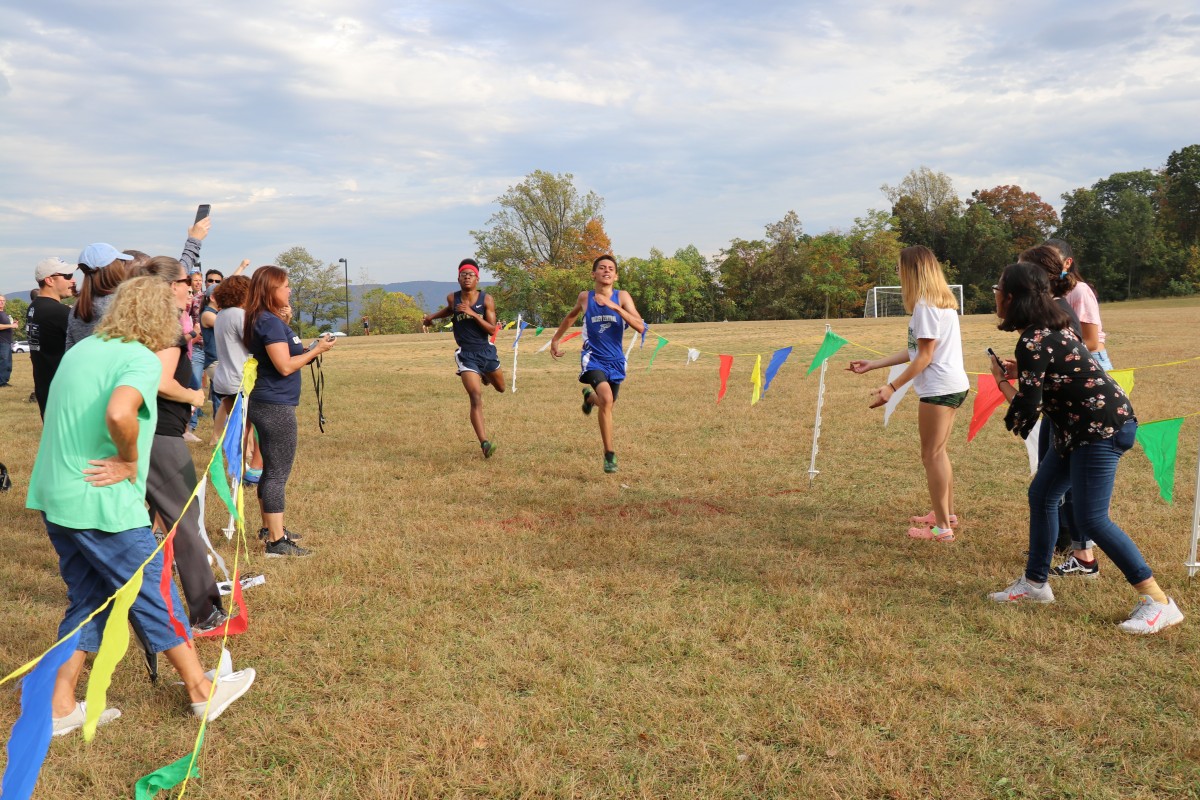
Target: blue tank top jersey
{"x":467,"y":332}
{"x":603,"y":336}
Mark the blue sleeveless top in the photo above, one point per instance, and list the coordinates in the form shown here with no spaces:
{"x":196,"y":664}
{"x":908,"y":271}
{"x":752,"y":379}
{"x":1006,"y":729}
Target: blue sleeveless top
{"x":467,"y":332}
{"x":603,"y":336}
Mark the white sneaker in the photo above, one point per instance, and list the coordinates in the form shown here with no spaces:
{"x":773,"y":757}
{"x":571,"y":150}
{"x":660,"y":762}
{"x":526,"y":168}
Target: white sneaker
{"x":226,"y":689}
{"x":74,"y":721}
{"x":1021,"y":589}
{"x":1151,"y":617}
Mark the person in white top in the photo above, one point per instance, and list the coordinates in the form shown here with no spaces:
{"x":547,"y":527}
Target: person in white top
{"x":935,"y":366}
{"x":1085,"y":305}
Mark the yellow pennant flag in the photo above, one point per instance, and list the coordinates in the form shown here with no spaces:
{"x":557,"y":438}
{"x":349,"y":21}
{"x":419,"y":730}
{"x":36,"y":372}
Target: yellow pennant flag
{"x":756,"y":380}
{"x":1124,"y":379}
{"x":249,"y":375}
{"x":112,"y":650}
{"x":509,"y":325}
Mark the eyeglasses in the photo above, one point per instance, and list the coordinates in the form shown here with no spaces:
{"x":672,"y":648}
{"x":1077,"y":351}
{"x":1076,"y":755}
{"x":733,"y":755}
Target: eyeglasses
{"x":183,"y":280}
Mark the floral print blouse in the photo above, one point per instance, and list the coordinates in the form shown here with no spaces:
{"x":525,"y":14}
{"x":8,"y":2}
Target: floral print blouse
{"x":1056,"y":375}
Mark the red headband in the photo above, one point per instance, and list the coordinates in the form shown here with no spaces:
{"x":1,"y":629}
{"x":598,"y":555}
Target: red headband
{"x":471,"y":267}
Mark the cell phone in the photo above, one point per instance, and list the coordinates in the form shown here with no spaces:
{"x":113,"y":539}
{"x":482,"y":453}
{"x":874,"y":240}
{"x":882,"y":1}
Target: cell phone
{"x":992,"y":353}
{"x":202,"y":211}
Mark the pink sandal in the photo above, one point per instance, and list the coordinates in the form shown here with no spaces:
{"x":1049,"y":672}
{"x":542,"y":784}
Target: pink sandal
{"x":931,"y":519}
{"x":932,"y":532}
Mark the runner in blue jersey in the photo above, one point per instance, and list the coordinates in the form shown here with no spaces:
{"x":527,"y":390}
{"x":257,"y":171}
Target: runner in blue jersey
{"x":606,"y":314}
{"x":474,"y":316}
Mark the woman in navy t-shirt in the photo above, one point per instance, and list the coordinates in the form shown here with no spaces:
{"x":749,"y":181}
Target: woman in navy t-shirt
{"x":272,"y":409}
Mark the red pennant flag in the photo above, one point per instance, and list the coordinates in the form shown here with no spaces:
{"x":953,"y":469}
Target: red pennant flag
{"x":987,"y":399}
{"x":164,"y":586}
{"x":726,"y":365}
{"x":570,"y":336}
{"x":237,"y":624}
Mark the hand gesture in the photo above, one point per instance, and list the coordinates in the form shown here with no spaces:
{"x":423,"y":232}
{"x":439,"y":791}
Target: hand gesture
{"x":877,"y":396}
{"x":110,"y":471}
{"x":285,"y":314}
{"x":325,"y":343}
{"x":200,"y":229}
{"x":858,"y":367}
{"x":554,"y":351}
{"x":605,"y":302}
{"x":1003,"y":370}
{"x":464,"y":308}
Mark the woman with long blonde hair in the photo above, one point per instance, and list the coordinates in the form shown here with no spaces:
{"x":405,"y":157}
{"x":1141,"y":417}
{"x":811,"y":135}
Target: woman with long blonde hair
{"x":935,"y":366}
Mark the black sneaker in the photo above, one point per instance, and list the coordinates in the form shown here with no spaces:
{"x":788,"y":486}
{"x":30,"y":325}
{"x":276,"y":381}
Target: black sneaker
{"x":215,"y":620}
{"x":1074,"y":568}
{"x":263,"y":534}
{"x":488,"y":448}
{"x":285,"y":548}
{"x":610,"y":464}
{"x":587,"y":407}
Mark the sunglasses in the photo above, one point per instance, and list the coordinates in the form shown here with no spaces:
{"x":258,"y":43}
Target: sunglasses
{"x":67,"y":275}
{"x":183,"y":280}
{"x":214,"y":280}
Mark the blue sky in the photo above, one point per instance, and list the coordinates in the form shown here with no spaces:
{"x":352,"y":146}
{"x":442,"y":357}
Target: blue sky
{"x":383,"y":132}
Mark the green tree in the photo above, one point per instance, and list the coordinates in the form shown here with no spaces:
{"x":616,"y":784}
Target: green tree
{"x":1029,"y":219}
{"x":1181,"y":205}
{"x":925,"y":206}
{"x":980,"y":245}
{"x":391,"y":312}
{"x":16,"y":307}
{"x":762,"y":279}
{"x":666,"y":288}
{"x":876,"y":244}
{"x":317,"y":289}
{"x":540,"y":245}
{"x":834,"y":282}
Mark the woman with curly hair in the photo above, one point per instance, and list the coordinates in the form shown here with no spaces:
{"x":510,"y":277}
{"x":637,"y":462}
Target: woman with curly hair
{"x":1094,"y":426}
{"x":272,"y":410}
{"x":88,"y":481}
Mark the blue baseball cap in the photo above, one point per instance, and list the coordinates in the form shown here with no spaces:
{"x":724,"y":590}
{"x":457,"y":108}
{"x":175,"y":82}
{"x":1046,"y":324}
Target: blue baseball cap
{"x":101,"y":255}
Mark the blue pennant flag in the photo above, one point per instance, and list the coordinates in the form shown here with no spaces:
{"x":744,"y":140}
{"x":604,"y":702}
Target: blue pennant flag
{"x":777,"y":359}
{"x":233,"y":437}
{"x":522,"y":326}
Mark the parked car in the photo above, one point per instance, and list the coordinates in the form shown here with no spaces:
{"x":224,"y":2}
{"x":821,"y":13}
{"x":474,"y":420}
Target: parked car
{"x":20,"y":347}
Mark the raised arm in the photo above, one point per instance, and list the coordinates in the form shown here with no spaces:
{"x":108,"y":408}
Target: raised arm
{"x":446,"y":311}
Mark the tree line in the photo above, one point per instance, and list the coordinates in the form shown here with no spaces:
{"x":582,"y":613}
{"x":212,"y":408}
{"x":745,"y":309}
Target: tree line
{"x":1135,"y":234}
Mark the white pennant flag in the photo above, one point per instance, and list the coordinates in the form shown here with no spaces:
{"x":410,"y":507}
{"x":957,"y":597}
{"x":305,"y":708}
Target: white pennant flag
{"x":1031,"y":446}
{"x":693,"y":355}
{"x":897,"y":395}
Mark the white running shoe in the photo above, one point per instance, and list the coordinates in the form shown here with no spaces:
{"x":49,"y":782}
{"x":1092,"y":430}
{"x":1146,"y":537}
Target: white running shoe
{"x":1151,"y":617}
{"x":1021,"y":590}
{"x":227,"y":688}
{"x":74,"y":721}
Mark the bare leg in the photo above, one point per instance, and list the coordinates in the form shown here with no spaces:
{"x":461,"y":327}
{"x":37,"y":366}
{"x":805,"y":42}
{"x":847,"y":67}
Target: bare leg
{"x":496,"y":379}
{"x":183,"y":658}
{"x":602,"y":399}
{"x":935,"y":423}
{"x":274,"y":525}
{"x":63,"y":700}
{"x":474,"y":386}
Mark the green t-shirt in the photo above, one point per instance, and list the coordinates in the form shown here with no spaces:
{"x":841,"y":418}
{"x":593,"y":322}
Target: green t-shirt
{"x":76,"y":432}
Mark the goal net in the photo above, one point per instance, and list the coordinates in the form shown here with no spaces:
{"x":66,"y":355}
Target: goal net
{"x":886,"y":301}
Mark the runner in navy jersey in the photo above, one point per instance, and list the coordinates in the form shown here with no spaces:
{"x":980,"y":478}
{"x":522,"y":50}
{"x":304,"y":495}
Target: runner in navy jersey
{"x":474,"y":315}
{"x":606,"y":314}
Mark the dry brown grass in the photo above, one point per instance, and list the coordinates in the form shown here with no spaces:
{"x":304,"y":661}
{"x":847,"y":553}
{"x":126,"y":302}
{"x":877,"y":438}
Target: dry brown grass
{"x":703,"y":624}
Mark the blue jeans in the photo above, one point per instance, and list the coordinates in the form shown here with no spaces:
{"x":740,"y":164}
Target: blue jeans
{"x":5,"y":362}
{"x":1089,"y":471}
{"x":1066,"y":511}
{"x":94,"y":564}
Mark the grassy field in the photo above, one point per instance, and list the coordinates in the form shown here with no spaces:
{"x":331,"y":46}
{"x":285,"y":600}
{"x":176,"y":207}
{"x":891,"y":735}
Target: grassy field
{"x":706,"y":623}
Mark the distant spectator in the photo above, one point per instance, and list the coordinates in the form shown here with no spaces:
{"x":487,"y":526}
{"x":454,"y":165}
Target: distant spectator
{"x":46,"y":323}
{"x":7,"y":326}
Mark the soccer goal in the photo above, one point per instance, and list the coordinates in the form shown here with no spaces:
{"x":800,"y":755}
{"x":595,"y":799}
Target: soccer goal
{"x":886,"y":301}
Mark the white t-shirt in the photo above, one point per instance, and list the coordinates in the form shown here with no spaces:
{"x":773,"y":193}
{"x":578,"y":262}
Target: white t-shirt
{"x":945,"y":373}
{"x":231,"y":353}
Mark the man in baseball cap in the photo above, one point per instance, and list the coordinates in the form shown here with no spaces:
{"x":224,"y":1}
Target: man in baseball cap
{"x":46,"y":323}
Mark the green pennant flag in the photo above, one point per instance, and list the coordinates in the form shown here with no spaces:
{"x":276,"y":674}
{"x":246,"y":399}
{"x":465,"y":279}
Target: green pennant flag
{"x":539,"y":330}
{"x":216,"y":473}
{"x":661,"y":344}
{"x":1160,"y":441}
{"x":166,"y":778}
{"x":831,"y":344}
